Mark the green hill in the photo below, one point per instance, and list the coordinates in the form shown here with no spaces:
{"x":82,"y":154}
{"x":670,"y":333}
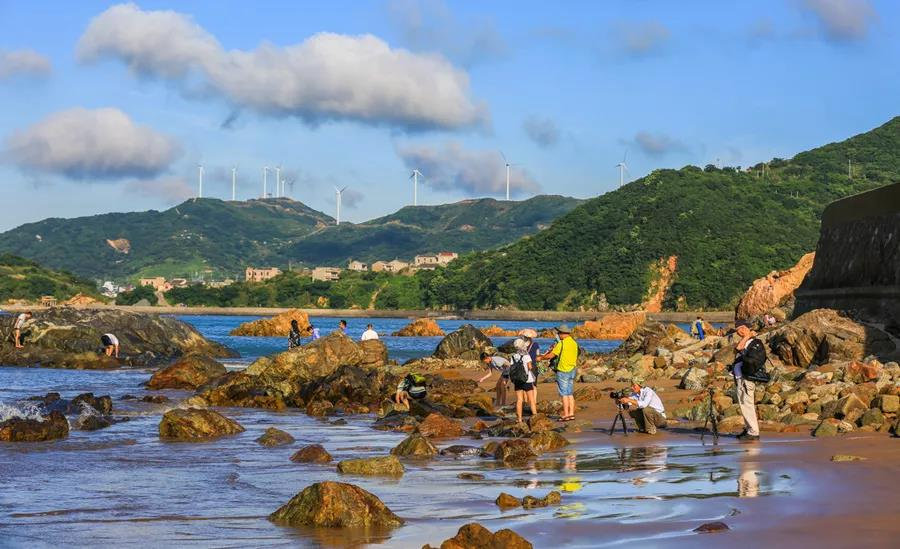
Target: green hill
{"x":224,"y":237}
{"x":727,"y":227}
{"x":460,"y":227}
{"x":24,"y":279}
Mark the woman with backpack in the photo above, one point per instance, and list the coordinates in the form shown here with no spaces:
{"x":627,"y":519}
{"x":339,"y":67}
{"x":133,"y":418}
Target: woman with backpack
{"x":295,"y":338}
{"x":522,"y":374}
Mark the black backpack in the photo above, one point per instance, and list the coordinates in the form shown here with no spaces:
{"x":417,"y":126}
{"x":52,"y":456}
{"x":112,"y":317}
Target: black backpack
{"x":517,"y":373}
{"x":753,"y":362}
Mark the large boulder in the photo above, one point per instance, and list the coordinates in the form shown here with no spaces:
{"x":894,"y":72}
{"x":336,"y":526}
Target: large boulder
{"x":773,"y":290}
{"x":312,"y":453}
{"x":653,"y":335}
{"x":467,"y":342}
{"x":189,"y":372}
{"x":694,"y":379}
{"x":437,"y":426}
{"x":388,"y":466}
{"x":336,"y":505}
{"x":514,"y":451}
{"x":278,"y":325}
{"x":415,"y":445}
{"x":823,"y":336}
{"x":375,"y":353}
{"x":420,"y":327}
{"x":610,"y":326}
{"x":64,"y":337}
{"x":195,"y":424}
{"x":275,"y":437}
{"x":476,"y":536}
{"x":20,"y":429}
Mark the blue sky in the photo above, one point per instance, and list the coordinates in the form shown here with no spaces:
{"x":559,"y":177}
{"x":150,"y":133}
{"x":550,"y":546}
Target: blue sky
{"x":110,"y":107}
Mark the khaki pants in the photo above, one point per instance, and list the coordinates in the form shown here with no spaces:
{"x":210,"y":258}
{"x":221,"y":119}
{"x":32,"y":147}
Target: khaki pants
{"x":648,"y":419}
{"x":746,"y":393}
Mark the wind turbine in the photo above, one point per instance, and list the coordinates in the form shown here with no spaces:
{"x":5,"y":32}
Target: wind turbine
{"x":415,"y":177}
{"x":200,"y":178}
{"x":339,"y":193}
{"x":265,"y":180}
{"x":290,"y":184}
{"x":277,"y":181}
{"x":507,"y":172}
{"x":623,"y":167}
{"x":233,"y":181}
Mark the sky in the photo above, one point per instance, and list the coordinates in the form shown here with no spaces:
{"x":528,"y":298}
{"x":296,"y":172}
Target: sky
{"x":112,"y":107}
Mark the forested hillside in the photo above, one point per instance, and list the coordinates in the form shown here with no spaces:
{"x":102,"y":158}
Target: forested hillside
{"x":24,"y":279}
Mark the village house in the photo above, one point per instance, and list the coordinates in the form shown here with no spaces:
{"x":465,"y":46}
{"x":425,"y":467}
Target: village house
{"x":259,"y":275}
{"x":158,"y":283}
{"x":326,"y":273}
{"x":357,"y":266}
{"x":444,"y":258}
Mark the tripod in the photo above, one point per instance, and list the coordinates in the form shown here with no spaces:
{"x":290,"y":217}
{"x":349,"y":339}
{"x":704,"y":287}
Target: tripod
{"x":619,"y":417}
{"x":712,"y":419}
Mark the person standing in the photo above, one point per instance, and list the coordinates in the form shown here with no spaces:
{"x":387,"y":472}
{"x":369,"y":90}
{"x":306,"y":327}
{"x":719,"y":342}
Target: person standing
{"x":746,"y":389}
{"x":521,"y":373}
{"x":314,"y":332}
{"x":111,"y":344}
{"x":295,"y":338}
{"x":17,"y":328}
{"x":697,"y":329}
{"x":342,"y":326}
{"x":369,"y":334}
{"x":565,"y":352}
{"x":648,"y":412}
{"x":500,"y":364}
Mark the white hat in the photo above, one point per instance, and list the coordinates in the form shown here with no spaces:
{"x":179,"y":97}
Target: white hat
{"x":520,"y":344}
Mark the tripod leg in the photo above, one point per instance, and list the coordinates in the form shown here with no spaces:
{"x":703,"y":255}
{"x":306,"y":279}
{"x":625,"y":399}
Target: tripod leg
{"x":613,"y":428}
{"x":624,"y":425}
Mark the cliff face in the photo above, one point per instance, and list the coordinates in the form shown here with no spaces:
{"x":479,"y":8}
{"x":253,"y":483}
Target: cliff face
{"x":857,"y":264}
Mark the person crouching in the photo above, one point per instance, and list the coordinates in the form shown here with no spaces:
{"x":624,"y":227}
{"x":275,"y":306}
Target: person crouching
{"x":110,"y":344}
{"x":411,"y":386}
{"x":501,"y":365}
{"x":646,"y":407}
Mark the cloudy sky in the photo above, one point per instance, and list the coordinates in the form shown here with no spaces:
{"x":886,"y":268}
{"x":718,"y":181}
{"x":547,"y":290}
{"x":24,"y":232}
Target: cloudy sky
{"x":111,"y":107}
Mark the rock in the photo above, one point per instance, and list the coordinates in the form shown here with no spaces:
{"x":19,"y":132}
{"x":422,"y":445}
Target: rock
{"x":461,"y":450}
{"x":336,"y":505}
{"x":189,"y":372}
{"x":102,"y":405}
{"x":711,"y":527}
{"x":196,"y":424}
{"x":67,"y":337}
{"x":476,"y":536}
{"x":610,"y":326}
{"x":319,"y":408}
{"x":540,"y":422}
{"x":241,"y":389}
{"x":497,"y":331}
{"x":375,"y":353}
{"x":275,"y":437}
{"x":830,"y":427}
{"x":846,"y":457}
{"x":17,"y":429}
{"x":506,"y":501}
{"x":314,"y":360}
{"x":889,"y":404}
{"x":155,"y":399}
{"x":375,"y":466}
{"x":844,"y":407}
{"x":585,"y":394}
{"x":278,"y":325}
{"x":401,"y":422}
{"x":438,"y":426}
{"x":553,"y":498}
{"x":467,"y":343}
{"x":470,"y":476}
{"x":651,"y":335}
{"x":313,"y":453}
{"x":547,"y":441}
{"x":773,"y":290}
{"x":694,"y":379}
{"x":420,"y":327}
{"x":93,"y":422}
{"x":872,"y":417}
{"x":415,"y":445}
{"x":514,"y":451}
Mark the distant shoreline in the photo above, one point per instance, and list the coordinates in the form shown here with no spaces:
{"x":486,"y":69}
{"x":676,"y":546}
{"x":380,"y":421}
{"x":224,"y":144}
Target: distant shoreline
{"x":537,"y":316}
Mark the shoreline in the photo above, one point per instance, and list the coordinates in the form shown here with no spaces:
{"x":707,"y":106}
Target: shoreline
{"x":509,"y":315}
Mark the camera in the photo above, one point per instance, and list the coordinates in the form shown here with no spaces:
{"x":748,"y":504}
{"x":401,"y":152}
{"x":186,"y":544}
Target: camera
{"x":618,"y":395}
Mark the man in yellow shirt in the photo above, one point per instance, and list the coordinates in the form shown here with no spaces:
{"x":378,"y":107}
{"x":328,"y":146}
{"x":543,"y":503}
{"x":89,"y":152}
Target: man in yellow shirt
{"x":566,"y":353}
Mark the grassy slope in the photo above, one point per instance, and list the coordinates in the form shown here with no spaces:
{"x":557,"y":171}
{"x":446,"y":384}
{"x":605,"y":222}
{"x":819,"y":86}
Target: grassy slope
{"x":24,"y":279}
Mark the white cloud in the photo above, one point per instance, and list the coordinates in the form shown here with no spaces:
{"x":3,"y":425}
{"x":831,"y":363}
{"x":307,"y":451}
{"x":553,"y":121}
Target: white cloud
{"x":542,"y":131}
{"x":326,"y":77}
{"x":80,"y":143}
{"x":429,"y":25}
{"x":24,"y":63}
{"x":451,"y":167}
{"x":843,"y":20}
{"x":170,"y":190}
{"x":644,"y":38}
{"x":657,"y":144}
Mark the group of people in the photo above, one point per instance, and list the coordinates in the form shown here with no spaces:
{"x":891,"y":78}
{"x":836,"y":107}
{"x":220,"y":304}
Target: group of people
{"x":109,"y":342}
{"x":295,"y":336}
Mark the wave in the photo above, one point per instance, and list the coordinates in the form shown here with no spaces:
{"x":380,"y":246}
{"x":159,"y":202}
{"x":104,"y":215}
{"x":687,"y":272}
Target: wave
{"x":20,"y":411}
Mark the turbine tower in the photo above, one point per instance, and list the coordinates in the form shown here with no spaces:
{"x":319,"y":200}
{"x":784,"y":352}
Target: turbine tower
{"x":200,"y":179}
{"x":233,"y":181}
{"x":623,"y":167}
{"x":277,"y":181}
{"x":339,"y":193}
{"x":415,"y":177}
{"x":265,"y":181}
{"x":507,"y":173}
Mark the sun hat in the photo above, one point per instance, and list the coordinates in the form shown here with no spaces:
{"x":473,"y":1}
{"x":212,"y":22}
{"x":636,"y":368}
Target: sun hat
{"x":564,"y":329}
{"x":520,"y":344}
{"x":637,"y":380}
{"x":528,"y":332}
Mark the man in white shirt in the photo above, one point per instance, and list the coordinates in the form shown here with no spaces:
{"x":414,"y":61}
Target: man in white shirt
{"x":370,"y":333}
{"x":20,"y":323}
{"x":648,"y":411}
{"x":111,"y":344}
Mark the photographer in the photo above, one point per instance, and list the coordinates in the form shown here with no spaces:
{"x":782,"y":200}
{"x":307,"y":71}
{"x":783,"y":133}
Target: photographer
{"x":648,"y":412}
{"x":748,"y":349}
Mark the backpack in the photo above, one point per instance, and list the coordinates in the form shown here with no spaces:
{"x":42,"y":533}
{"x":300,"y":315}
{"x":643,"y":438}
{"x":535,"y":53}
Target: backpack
{"x":753,"y":362}
{"x":517,"y":373}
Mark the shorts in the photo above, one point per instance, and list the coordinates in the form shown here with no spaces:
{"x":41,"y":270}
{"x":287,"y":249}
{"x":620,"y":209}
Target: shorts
{"x":525,"y":386}
{"x":104,"y":339}
{"x":418,"y":395}
{"x":565,"y":382}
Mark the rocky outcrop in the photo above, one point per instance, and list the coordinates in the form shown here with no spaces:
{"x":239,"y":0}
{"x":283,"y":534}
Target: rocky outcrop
{"x":20,"y":429}
{"x":278,"y":325}
{"x":313,"y":453}
{"x":420,"y":327}
{"x":415,"y":445}
{"x":652,"y":335}
{"x":375,"y":353}
{"x":662,"y":274}
{"x":81,"y":300}
{"x":610,"y":326}
{"x":467,"y":343}
{"x":336,"y":505}
{"x":773,"y":290}
{"x":195,"y":424}
{"x":476,"y":536}
{"x":189,"y":372}
{"x":388,"y":466}
{"x":275,"y":437}
{"x":437,"y":426}
{"x":65,"y":337}
{"x":497,"y":331}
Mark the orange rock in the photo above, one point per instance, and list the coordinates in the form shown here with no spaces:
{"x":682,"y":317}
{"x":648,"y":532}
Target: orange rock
{"x":278,"y":325}
{"x":497,"y":331}
{"x":662,"y":276}
{"x":81,"y":300}
{"x":610,"y":326}
{"x":420,"y":327}
{"x":438,"y":426}
{"x":772,"y":290}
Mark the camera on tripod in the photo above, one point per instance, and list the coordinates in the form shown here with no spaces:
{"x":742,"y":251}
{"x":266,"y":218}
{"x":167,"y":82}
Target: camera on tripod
{"x":618,"y":396}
